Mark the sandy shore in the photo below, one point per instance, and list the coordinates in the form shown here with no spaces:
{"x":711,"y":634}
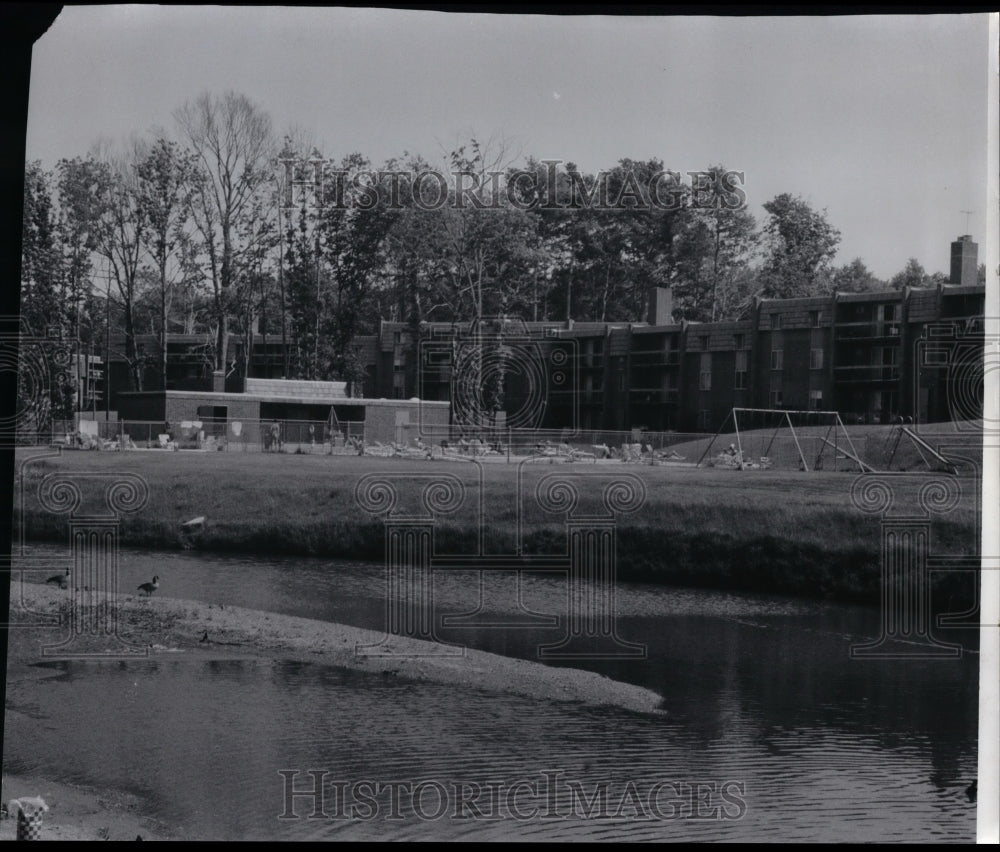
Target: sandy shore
{"x":166,"y":626}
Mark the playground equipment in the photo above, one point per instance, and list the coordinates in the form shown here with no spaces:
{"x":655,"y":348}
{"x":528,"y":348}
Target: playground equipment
{"x":901,"y":431}
{"x":757,"y":430}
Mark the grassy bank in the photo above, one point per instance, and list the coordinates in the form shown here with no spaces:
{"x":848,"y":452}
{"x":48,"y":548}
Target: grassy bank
{"x":772,"y":531}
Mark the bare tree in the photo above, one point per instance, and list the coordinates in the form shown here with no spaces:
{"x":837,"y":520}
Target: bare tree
{"x":232,"y":141}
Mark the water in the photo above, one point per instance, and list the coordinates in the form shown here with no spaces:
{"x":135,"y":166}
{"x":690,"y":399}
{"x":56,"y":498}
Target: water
{"x":762,"y":701}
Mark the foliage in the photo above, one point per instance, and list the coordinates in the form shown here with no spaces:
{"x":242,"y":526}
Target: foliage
{"x":202,"y":232}
{"x":799,"y":244}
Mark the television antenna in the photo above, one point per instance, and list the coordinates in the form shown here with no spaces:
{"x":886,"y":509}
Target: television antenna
{"x":967,"y":213}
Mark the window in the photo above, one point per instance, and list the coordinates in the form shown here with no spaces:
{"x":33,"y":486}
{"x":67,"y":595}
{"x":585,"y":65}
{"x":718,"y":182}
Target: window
{"x":739,"y":341}
{"x":397,"y":338}
{"x":775,"y":321}
{"x":816,"y":400}
{"x":776,"y":399}
{"x":741,"y":370}
{"x":703,"y":418}
{"x":815,"y":359}
{"x":703,"y":343}
{"x":399,"y":385}
{"x":777,"y":359}
{"x":814,"y":319}
{"x":706,"y":371}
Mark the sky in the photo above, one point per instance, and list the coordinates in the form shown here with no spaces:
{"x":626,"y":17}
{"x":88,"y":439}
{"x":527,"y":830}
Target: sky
{"x":879,"y":120}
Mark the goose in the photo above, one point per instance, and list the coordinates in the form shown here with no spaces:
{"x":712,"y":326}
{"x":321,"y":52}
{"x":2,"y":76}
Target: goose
{"x":62,"y":580}
{"x":149,"y":588}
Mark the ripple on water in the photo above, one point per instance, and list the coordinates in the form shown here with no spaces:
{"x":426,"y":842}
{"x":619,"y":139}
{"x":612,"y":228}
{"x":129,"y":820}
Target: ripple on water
{"x":203,"y":743}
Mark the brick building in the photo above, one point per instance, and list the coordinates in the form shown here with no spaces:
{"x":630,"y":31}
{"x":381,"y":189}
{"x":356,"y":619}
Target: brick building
{"x":873,"y":357}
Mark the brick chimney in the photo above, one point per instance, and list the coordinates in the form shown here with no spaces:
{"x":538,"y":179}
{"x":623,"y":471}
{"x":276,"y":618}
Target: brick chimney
{"x":661,"y":306}
{"x":964,"y":256}
{"x":219,"y":381}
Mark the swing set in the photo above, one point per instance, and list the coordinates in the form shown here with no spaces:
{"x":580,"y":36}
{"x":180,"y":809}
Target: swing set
{"x":757,"y":429}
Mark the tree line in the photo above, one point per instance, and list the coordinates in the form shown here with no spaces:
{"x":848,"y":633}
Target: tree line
{"x":198,"y":231}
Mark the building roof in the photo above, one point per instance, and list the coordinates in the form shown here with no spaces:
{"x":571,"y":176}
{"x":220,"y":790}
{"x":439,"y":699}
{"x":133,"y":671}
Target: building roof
{"x":289,"y":399}
{"x":283,"y":388}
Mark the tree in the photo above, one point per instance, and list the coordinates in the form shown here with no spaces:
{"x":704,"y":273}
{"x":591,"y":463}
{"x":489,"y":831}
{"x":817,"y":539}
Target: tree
{"x":912,"y":275}
{"x":83,"y":193}
{"x":714,"y":248}
{"x":854,"y":277}
{"x":42,"y":309}
{"x":120,"y":241}
{"x":800,"y":244}
{"x":354,"y":234}
{"x":163,"y":193}
{"x":231,"y":139}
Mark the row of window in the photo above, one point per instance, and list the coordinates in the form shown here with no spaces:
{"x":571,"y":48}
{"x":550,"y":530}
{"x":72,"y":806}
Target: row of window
{"x":777,"y":363}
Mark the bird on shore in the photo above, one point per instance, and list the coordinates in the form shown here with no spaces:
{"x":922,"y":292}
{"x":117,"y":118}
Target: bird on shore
{"x":204,"y":638}
{"x":972,"y":790}
{"x":62,"y":580}
{"x":149,"y":588}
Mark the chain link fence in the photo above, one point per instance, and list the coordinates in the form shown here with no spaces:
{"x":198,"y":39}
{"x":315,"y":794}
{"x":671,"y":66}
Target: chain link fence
{"x":296,"y":436}
{"x":815,"y":448}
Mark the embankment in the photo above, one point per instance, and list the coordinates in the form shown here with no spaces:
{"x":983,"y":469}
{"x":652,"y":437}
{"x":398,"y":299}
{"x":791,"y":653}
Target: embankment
{"x":759,"y":531}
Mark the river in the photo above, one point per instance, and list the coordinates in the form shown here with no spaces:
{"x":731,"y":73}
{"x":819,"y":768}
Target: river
{"x":771,"y":731}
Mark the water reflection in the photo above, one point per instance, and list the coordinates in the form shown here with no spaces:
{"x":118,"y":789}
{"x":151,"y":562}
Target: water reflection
{"x":759,"y":690}
{"x":203,"y":743}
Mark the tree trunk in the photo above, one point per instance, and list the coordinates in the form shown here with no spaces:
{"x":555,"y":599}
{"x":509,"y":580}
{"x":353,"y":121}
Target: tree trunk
{"x":163,"y":322}
{"x":131,"y":353}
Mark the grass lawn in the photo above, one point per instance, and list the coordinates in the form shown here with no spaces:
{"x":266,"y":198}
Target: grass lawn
{"x":767,"y":530}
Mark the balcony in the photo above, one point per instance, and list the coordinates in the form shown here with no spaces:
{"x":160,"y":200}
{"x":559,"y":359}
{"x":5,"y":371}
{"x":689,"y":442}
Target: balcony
{"x":866,"y":373}
{"x":656,"y":358}
{"x":867,"y":330}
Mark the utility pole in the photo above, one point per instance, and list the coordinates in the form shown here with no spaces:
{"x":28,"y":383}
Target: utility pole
{"x":107,"y":351}
{"x":315,"y":369}
{"x":92,"y":380}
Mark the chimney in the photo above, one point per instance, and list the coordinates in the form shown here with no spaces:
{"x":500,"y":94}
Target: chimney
{"x":661,"y":306}
{"x":219,"y":381}
{"x":964,"y":256}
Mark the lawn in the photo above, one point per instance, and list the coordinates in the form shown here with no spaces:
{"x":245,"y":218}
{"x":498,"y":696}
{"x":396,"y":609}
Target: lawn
{"x":757,"y":529}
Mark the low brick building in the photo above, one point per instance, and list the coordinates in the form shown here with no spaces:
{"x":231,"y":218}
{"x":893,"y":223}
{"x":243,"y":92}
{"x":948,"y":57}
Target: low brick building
{"x":324,"y":406}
